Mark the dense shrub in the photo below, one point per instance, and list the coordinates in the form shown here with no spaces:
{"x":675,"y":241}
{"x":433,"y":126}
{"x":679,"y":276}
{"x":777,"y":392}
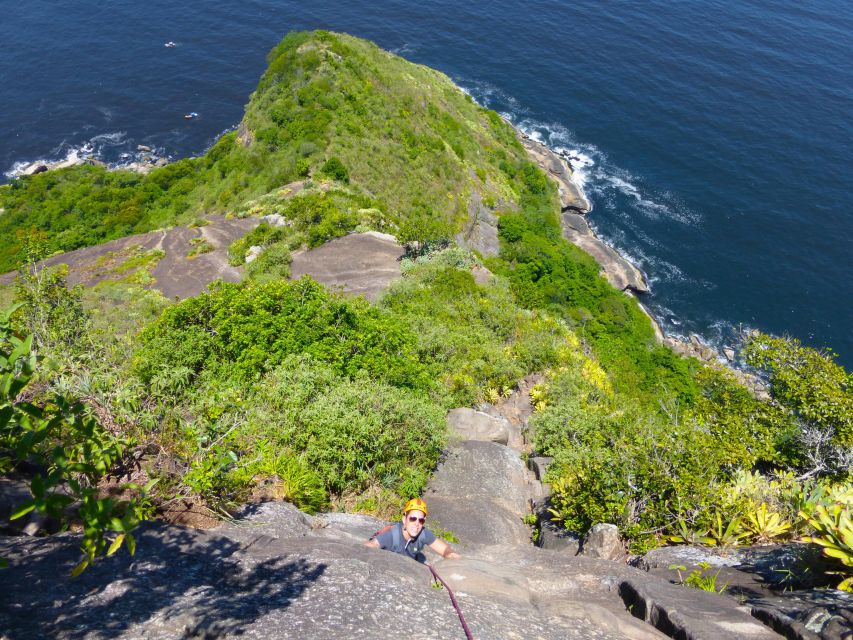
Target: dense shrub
{"x":353,"y":432}
{"x":474,"y":338}
{"x":242,"y":331}
{"x":817,"y":392}
{"x":333,"y":168}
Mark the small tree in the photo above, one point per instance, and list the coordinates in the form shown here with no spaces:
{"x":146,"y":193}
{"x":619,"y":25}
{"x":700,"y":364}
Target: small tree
{"x":819,"y":395}
{"x":72,"y":451}
{"x":52,"y":313}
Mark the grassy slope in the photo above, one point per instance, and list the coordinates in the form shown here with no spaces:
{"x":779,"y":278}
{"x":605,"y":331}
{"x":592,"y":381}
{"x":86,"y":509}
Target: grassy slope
{"x":406,"y":135}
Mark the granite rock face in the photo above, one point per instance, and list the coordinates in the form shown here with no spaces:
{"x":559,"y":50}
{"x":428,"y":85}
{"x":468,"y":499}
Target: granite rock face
{"x":358,"y":264}
{"x":469,"y":424}
{"x":481,"y":231}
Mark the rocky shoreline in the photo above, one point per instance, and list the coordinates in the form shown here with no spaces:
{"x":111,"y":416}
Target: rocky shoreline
{"x":145,"y":162}
{"x":574,"y":205}
{"x":618,"y":270}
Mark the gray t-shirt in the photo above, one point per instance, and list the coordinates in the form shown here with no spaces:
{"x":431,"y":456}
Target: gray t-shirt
{"x":394,"y":540}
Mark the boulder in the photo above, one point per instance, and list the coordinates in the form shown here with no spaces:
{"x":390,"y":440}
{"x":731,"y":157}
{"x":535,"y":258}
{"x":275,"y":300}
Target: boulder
{"x":253,"y":253}
{"x":482,"y":276}
{"x":275,"y":220}
{"x":603,"y":541}
{"x":469,"y":424}
{"x":475,"y":471}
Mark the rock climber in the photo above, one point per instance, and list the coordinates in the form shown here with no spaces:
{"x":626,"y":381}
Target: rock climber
{"x":410,"y":536}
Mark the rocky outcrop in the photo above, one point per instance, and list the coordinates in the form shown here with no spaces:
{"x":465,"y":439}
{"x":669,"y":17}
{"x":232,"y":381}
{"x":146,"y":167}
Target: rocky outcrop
{"x":603,"y":541}
{"x":571,"y":197}
{"x":618,"y":271}
{"x":775,"y":582}
{"x":175,"y":276}
{"x":481,"y":232}
{"x":469,"y":424}
{"x":357,"y":264}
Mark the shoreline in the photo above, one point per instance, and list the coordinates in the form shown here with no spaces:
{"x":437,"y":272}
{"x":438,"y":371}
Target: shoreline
{"x":619,"y":271}
{"x":574,"y":206}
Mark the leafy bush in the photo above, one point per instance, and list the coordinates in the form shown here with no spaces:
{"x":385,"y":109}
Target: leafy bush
{"x":245,"y":330}
{"x":72,"y":449}
{"x":832,"y":526}
{"x":272,"y":264}
{"x":353,"y":433}
{"x":335,"y":169}
{"x":262,"y":236}
{"x":817,"y":393}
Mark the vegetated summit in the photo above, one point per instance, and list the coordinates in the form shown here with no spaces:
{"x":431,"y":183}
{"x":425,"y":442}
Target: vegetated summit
{"x":400,"y":135}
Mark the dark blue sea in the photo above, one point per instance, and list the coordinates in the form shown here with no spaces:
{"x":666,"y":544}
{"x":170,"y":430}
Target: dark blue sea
{"x":714,"y":138}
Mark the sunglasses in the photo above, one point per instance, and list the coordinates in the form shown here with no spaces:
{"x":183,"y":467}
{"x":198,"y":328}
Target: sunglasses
{"x":417,"y":519}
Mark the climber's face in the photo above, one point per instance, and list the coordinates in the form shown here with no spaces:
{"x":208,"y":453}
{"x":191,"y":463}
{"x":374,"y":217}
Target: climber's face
{"x":413,"y":522}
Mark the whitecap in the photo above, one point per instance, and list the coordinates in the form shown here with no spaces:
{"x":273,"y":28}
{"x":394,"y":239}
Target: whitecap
{"x":110,"y":139}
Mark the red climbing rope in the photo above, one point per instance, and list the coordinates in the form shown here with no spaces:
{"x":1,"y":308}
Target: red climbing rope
{"x":455,"y":604}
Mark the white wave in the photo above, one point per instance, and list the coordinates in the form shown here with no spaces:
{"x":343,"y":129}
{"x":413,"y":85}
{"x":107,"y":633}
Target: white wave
{"x":492,"y":97}
{"x":404,"y":49}
{"x":110,"y":139}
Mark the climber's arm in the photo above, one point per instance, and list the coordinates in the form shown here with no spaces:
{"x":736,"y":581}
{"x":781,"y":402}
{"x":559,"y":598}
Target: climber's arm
{"x":444,"y":550}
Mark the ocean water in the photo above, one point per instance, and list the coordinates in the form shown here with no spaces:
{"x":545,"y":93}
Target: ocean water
{"x":714,"y":138}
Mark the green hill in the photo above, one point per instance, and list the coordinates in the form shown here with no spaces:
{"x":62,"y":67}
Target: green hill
{"x":330,"y":106}
{"x":341,"y":401}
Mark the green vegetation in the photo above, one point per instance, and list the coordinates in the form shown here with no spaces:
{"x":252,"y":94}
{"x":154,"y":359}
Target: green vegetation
{"x":283,"y":390}
{"x":329,"y":106}
{"x":699,"y":578}
{"x":73,"y":452}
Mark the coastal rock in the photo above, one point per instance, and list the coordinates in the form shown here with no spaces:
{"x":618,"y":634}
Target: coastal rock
{"x":571,"y":197}
{"x":618,"y":271}
{"x":729,"y":353}
{"x":142,"y":147}
{"x":603,"y":541}
{"x":469,"y":424}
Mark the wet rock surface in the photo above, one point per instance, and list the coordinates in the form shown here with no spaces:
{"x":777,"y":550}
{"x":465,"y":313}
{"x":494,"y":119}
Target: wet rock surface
{"x":571,"y":197}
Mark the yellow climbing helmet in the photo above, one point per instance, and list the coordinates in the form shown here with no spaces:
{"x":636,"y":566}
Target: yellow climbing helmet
{"x":415,"y":504}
